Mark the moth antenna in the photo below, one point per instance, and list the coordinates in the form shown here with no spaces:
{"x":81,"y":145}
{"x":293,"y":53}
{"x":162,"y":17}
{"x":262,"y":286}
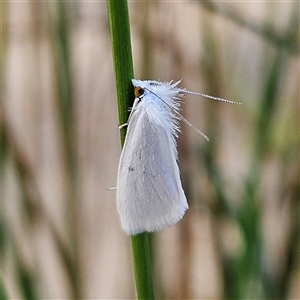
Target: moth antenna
{"x":211,"y":97}
{"x":179,"y":115}
{"x":193,"y":127}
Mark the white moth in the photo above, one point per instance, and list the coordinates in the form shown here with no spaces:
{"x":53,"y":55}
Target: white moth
{"x":150,"y":196}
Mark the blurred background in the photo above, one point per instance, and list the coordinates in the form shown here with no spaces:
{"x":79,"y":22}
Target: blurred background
{"x":60,"y":232}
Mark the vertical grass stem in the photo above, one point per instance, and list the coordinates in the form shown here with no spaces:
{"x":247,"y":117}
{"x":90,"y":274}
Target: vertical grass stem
{"x":123,"y":70}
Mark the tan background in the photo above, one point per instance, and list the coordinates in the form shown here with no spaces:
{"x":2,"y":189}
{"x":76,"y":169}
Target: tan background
{"x":170,"y":40}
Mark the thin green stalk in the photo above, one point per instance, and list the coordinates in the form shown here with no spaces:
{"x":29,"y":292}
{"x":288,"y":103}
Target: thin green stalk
{"x":123,"y":69}
{"x":142,"y":266}
{"x":122,"y":58}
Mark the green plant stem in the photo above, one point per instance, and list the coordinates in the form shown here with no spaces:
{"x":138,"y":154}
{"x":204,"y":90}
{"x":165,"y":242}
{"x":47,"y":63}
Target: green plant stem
{"x":123,"y":69}
{"x":122,"y":58}
{"x":142,"y":266}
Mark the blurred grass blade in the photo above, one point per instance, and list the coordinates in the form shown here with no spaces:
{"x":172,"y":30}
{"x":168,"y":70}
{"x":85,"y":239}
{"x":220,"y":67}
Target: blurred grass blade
{"x":63,"y":84}
{"x":287,"y":41}
{"x":268,"y":102}
{"x":3,"y":294}
{"x":27,"y":282}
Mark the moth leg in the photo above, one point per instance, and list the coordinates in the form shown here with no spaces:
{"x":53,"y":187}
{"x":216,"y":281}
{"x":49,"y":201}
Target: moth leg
{"x":122,"y":125}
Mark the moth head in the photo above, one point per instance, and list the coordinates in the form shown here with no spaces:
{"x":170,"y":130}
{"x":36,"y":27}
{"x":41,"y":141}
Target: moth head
{"x":138,"y":91}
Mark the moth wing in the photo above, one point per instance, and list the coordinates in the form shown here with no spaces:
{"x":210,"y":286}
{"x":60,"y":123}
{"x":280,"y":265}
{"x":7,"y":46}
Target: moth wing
{"x":149,"y":191}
